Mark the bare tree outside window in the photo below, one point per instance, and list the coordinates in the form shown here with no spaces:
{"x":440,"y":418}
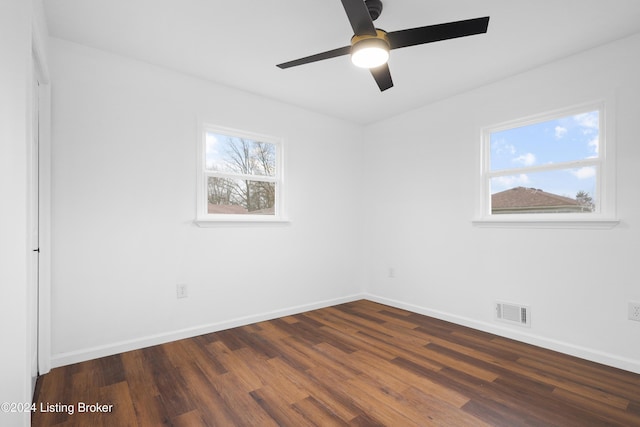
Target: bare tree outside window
{"x":241,"y":175}
{"x":585,"y":200}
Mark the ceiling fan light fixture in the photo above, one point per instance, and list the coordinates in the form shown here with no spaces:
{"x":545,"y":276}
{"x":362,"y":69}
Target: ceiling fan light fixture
{"x":370,"y":46}
{"x":370,"y":51}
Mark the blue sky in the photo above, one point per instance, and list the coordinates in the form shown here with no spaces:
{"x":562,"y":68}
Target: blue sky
{"x":555,"y":141}
{"x":216,"y":157}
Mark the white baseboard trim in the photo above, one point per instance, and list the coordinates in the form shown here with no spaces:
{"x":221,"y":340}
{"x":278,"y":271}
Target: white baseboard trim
{"x":503,"y":331}
{"x":82,"y":355}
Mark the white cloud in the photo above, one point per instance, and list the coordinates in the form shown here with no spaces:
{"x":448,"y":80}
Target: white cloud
{"x":503,"y":182}
{"x":525,"y":159}
{"x":560,"y":132}
{"x":594,"y":145}
{"x":501,"y":147}
{"x":587,"y":120}
{"x":585,"y":172}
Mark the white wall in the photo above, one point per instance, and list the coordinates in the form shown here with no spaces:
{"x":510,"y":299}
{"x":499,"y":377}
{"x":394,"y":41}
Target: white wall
{"x":15,"y":110}
{"x":422,"y":172}
{"x":124,"y":156}
{"x":124,"y":199}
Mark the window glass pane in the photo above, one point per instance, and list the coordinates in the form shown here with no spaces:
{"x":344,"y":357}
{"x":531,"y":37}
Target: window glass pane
{"x":232,"y":154}
{"x":237,"y":196}
{"x":556,"y":191}
{"x":564,"y":139}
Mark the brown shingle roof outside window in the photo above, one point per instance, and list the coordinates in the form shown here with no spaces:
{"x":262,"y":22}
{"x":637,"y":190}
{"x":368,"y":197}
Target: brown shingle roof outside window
{"x":237,"y":210}
{"x":532,"y":200}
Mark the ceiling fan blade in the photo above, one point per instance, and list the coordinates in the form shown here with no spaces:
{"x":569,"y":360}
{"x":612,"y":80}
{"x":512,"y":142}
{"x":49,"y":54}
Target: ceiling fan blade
{"x":345,"y":50}
{"x":359,"y":17}
{"x":382,"y":76}
{"x":434,"y":33}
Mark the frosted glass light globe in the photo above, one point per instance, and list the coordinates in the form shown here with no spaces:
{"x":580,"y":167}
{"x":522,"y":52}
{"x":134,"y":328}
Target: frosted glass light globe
{"x":370,"y":53}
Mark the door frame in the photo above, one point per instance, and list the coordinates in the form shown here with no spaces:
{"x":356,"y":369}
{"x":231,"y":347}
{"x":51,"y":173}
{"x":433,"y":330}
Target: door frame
{"x":41,"y":73}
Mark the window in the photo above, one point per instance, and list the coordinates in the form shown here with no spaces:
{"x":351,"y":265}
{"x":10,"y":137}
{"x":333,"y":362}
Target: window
{"x":549,"y":168}
{"x":240,"y":176}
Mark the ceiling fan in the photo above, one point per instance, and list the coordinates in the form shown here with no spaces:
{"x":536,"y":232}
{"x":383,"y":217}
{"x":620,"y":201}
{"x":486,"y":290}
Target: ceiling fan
{"x":370,"y":46}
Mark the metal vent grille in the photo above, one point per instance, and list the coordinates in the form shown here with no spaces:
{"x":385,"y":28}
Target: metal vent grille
{"x":513,"y":313}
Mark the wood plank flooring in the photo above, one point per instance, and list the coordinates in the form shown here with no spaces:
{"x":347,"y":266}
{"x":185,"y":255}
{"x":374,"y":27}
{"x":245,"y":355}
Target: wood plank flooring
{"x":355,"y":364}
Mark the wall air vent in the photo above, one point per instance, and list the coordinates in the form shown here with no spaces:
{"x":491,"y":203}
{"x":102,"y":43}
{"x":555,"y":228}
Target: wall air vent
{"x":513,"y":313}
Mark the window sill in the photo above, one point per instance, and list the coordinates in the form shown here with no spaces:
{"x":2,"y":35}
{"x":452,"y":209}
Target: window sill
{"x":240,"y":220}
{"x":573,"y":223}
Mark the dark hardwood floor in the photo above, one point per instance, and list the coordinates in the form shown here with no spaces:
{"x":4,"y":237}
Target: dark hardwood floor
{"x":356,"y":364}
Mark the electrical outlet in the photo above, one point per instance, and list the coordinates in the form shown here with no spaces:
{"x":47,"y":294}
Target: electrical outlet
{"x":181,"y":290}
{"x":634,"y":311}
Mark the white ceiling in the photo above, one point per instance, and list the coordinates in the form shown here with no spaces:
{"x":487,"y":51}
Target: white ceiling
{"x":238,"y":43}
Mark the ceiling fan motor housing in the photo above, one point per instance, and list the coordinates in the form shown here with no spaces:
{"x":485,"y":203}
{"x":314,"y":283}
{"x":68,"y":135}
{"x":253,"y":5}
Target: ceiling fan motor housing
{"x":374,"y":7}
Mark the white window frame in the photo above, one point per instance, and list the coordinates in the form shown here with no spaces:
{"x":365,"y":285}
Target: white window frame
{"x":203,"y":217}
{"x":605,"y":214}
